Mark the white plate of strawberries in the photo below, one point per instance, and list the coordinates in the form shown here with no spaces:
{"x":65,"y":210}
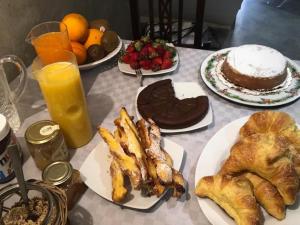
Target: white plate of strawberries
{"x":151,"y":57}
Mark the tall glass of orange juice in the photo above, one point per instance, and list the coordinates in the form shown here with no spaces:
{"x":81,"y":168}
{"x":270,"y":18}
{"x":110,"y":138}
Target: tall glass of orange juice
{"x":63,"y":92}
{"x":49,"y":36}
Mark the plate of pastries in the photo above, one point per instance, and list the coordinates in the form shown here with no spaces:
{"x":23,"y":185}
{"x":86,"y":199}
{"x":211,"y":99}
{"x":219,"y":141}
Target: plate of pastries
{"x":252,"y":75}
{"x":133,"y":166}
{"x":252,"y":169}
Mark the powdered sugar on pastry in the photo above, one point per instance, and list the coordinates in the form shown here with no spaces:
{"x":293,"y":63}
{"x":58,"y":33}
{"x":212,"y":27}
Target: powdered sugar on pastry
{"x":164,"y":171}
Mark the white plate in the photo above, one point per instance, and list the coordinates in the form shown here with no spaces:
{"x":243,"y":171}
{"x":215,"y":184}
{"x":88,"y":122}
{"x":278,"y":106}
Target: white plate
{"x":96,"y":175}
{"x":184,"y":90}
{"x":212,"y":76}
{"x":214,"y":154}
{"x":106,"y":58}
{"x":125,"y":68}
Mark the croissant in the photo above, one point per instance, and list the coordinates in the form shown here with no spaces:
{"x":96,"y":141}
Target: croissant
{"x":268,"y":156}
{"x":267,"y":195}
{"x":271,"y":121}
{"x":234,"y":195}
{"x":279,"y":123}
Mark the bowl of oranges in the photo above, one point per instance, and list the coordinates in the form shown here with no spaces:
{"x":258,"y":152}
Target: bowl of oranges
{"x":92,"y":42}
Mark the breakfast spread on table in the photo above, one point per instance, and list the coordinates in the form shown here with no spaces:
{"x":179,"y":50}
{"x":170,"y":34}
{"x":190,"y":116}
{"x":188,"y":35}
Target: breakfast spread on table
{"x":137,"y":154}
{"x":158,"y":102}
{"x":263,"y":164}
{"x":262,"y":168}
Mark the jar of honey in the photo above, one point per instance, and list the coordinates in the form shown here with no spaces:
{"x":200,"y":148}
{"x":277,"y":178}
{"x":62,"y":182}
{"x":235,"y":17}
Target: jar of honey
{"x":46,"y":143}
{"x":62,"y":175}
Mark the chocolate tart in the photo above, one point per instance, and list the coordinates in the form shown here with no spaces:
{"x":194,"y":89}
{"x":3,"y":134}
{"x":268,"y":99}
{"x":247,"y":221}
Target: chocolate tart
{"x":158,"y":102}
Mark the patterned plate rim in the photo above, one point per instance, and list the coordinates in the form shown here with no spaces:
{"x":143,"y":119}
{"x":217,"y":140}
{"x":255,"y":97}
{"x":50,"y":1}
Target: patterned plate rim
{"x":294,"y":93}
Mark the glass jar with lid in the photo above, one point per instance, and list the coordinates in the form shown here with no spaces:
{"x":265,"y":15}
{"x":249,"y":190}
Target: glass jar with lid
{"x":46,"y":143}
{"x":62,"y":175}
{"x":46,"y":206}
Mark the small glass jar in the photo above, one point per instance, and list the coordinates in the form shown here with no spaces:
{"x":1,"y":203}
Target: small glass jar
{"x":46,"y":143}
{"x":62,"y":175}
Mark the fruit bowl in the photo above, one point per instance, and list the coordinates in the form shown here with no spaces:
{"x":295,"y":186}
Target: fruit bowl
{"x":110,"y":55}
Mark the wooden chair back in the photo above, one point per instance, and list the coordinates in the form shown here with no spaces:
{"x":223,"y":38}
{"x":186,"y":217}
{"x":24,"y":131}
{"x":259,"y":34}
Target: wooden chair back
{"x":165,"y":21}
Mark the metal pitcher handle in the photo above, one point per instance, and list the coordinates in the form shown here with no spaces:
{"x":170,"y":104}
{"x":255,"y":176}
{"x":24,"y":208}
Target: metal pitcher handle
{"x":16,"y":94}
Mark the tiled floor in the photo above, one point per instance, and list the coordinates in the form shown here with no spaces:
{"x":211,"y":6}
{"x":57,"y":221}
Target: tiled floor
{"x":261,"y":22}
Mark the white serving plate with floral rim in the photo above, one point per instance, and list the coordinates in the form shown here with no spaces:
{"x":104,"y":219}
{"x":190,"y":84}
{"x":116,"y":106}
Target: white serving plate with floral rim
{"x":213,"y":77}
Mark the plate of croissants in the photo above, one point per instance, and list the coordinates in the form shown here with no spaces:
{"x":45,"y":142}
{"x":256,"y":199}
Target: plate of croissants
{"x":248,"y":173}
{"x":134,"y":166}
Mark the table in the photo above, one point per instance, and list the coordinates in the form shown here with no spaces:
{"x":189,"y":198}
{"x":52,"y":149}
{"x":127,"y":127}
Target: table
{"x":107,"y":91}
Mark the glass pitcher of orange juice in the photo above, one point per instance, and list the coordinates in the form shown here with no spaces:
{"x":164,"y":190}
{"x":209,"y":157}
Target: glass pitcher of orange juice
{"x":63,"y":92}
{"x":49,"y":36}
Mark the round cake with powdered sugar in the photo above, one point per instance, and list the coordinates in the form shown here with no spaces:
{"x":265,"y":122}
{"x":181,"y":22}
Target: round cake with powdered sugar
{"x":255,"y":67}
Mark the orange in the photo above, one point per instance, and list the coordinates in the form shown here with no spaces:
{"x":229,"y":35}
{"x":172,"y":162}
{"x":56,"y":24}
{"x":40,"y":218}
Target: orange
{"x":77,"y":26}
{"x":94,"y":37}
{"x":79,"y":51}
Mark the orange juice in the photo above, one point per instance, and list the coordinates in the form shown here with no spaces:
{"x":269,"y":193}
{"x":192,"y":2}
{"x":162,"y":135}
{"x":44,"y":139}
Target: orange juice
{"x":46,"y":43}
{"x":63,"y":92}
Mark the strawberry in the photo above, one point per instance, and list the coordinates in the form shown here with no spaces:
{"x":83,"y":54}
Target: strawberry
{"x":135,"y":65}
{"x":156,"y":63}
{"x":144,"y":53}
{"x":155,"y":67}
{"x":130,"y":48}
{"x":168,"y":55}
{"x":125,"y":58}
{"x":166,"y":64}
{"x":157,"y":60}
{"x":148,"y":45}
{"x":145,"y":64}
{"x":134,"y":56}
{"x":160,"y":50}
{"x":152,"y":52}
{"x":172,"y":50}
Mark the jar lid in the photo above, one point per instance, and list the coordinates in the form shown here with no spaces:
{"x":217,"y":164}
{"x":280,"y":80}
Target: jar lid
{"x":58,"y":173}
{"x":41,"y":132}
{"x":4,"y":127}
